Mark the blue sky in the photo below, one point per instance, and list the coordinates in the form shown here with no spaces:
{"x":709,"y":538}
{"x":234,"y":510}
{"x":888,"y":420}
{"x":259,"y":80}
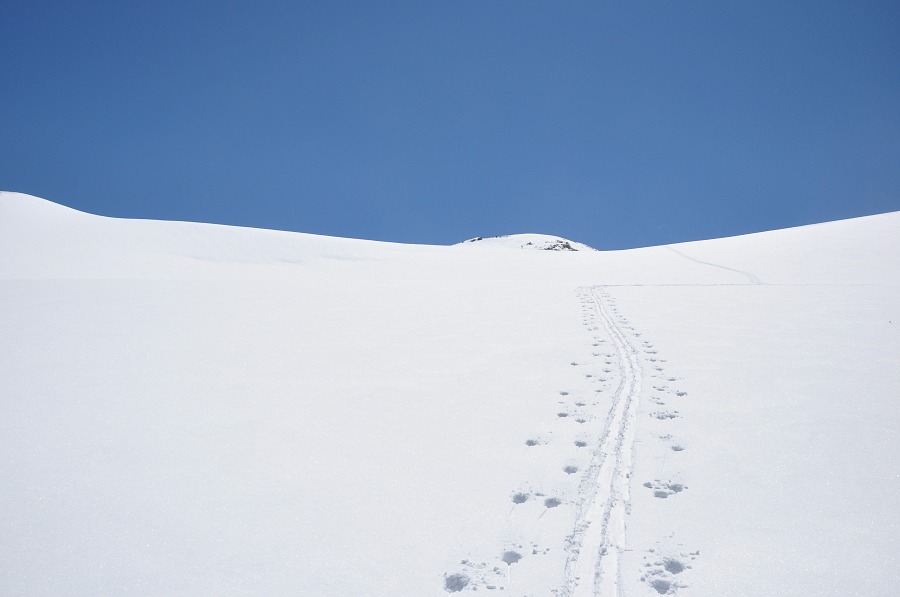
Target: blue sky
{"x":618,"y":124}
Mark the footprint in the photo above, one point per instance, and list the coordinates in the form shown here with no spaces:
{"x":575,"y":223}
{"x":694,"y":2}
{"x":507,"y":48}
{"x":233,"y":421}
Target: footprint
{"x":664,"y":415}
{"x":475,"y":575}
{"x":456,"y":583}
{"x":552,"y":502}
{"x":660,"y":571}
{"x":661,"y":585}
{"x":673,"y":566}
{"x":664,"y":490}
{"x":511,"y":557}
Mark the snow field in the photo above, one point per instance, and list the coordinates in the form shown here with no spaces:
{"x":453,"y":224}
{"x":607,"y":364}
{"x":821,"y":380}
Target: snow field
{"x":194,"y":409}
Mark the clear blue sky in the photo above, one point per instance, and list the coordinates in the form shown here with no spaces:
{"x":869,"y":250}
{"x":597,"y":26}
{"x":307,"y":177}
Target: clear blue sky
{"x":615,"y":123}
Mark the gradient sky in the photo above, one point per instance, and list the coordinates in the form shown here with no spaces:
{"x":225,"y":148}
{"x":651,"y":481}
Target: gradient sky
{"x":614,"y":123}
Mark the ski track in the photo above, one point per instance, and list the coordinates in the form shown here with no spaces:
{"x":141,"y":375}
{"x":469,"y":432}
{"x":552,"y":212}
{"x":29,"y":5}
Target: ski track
{"x":595,"y":546}
{"x":753,"y":279}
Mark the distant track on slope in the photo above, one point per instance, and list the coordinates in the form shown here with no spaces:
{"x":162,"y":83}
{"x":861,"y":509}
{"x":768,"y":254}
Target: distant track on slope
{"x":753,"y":279}
{"x":595,"y":546}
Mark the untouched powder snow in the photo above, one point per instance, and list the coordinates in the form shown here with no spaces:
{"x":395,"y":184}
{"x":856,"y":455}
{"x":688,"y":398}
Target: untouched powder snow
{"x":191,"y":409}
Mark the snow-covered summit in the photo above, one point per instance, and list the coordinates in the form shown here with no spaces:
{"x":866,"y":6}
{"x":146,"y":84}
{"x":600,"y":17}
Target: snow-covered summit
{"x":538,"y":242}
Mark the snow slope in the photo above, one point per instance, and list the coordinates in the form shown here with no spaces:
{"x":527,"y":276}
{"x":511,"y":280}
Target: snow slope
{"x":196,"y":409}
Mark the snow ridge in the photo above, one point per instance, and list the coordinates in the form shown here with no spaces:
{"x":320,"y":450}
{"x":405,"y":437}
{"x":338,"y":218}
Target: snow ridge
{"x":599,"y":538}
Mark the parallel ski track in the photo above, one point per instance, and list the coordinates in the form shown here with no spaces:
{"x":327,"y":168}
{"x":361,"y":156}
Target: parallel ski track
{"x":595,"y":546}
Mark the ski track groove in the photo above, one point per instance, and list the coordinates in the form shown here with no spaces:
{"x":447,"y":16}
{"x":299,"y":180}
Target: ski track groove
{"x":595,"y":546}
{"x":753,"y":279}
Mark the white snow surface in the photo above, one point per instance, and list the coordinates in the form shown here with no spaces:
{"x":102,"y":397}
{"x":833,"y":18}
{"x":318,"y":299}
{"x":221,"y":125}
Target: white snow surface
{"x":191,"y":409}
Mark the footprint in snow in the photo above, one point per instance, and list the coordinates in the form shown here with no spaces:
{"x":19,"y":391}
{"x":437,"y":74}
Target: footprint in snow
{"x":661,"y":570}
{"x":664,"y":415}
{"x":664,"y":490}
{"x":455,"y":583}
{"x":473,"y":576}
{"x":511,"y":557}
